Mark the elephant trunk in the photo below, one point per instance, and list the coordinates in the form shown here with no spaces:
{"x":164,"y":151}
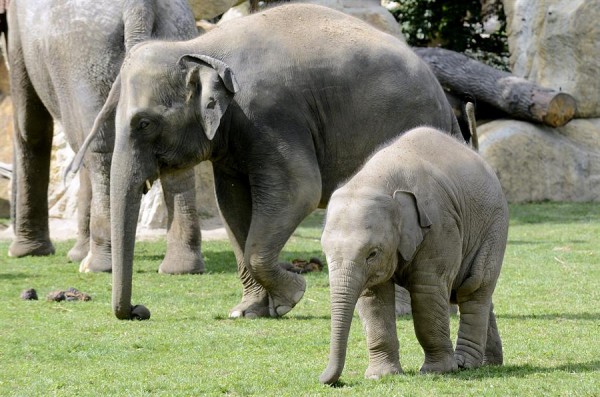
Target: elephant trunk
{"x":125,"y":197}
{"x":346,"y":285}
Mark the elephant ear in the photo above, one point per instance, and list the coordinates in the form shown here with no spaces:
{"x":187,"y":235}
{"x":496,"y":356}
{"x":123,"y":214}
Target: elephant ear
{"x":414,"y":223}
{"x":215,"y":84}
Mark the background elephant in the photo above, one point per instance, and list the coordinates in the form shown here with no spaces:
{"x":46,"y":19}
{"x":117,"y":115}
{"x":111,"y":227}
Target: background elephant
{"x":427,"y":213}
{"x":286,"y":103}
{"x":64,"y":56}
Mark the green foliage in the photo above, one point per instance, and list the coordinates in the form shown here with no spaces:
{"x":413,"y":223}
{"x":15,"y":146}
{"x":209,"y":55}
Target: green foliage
{"x":546,"y":303}
{"x":455,"y":25}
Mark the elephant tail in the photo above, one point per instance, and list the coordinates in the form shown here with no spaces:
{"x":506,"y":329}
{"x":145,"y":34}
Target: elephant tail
{"x":107,"y":111}
{"x":138,"y":21}
{"x":472,"y":122}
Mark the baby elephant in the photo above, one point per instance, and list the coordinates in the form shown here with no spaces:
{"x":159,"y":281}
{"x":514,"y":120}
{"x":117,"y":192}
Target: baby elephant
{"x":427,"y":213}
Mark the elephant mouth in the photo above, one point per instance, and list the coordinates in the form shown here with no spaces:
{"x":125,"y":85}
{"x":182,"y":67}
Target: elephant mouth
{"x":147,"y":186}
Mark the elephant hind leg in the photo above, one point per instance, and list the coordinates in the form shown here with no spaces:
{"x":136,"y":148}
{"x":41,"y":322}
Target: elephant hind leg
{"x":493,"y":347}
{"x":477,"y":321}
{"x":84,"y":201}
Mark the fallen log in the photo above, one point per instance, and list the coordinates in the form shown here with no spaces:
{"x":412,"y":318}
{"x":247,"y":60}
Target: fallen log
{"x":515,"y":96}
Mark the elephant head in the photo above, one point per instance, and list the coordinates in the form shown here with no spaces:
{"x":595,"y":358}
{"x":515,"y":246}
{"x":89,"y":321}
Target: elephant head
{"x":168,"y":110}
{"x":365,"y":232}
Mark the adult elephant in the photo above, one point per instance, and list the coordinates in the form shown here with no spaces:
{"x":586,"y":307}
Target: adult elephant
{"x":64,"y":56}
{"x":286,"y":103}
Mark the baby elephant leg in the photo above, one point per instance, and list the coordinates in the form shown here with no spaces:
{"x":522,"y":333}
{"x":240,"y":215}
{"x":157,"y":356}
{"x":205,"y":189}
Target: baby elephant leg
{"x":477,"y":321}
{"x":430,"y":301}
{"x":376,"y":308}
{"x":472,"y":333}
{"x":493,"y":345}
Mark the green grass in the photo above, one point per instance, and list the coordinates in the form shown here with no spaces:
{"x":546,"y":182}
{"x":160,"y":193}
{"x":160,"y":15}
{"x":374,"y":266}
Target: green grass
{"x":547,"y":304}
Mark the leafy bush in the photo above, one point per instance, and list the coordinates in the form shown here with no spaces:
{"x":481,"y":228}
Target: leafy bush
{"x":462,"y":26}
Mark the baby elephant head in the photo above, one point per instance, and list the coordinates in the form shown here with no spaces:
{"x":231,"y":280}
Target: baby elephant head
{"x":364,"y":233}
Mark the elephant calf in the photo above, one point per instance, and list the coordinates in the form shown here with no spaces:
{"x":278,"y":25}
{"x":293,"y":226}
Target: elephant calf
{"x":427,"y":213}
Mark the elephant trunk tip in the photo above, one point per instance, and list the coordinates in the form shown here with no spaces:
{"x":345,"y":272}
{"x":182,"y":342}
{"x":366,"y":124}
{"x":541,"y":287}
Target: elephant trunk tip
{"x":330,"y":376}
{"x":137,"y":312}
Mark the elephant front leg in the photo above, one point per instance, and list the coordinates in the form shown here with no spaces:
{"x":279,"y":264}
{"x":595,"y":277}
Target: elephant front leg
{"x":84,"y":201}
{"x":376,"y":308}
{"x":429,"y":300}
{"x":235,"y":205}
{"x":99,"y":257}
{"x":184,"y":239}
{"x":32,"y":140}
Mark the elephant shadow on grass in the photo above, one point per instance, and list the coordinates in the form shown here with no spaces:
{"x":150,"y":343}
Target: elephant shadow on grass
{"x":523,"y":370}
{"x":504,"y":371}
{"x":584,"y":316}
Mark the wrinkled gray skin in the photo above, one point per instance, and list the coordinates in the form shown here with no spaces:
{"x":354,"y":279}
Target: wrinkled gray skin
{"x":427,"y":213}
{"x":286,"y":103}
{"x":64,"y":56}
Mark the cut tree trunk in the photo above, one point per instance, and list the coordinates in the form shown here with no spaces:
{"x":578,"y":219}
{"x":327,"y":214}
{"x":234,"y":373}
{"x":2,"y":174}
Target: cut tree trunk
{"x":515,"y":96}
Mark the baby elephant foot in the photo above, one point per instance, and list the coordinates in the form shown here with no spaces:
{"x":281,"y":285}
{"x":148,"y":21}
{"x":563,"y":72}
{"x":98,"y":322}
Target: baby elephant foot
{"x":251,"y":308}
{"x":447,"y":364}
{"x":96,"y":263}
{"x":380,"y":370}
{"x":283,"y":299}
{"x":466,"y":360}
{"x":182,"y":261}
{"x":20,"y":248}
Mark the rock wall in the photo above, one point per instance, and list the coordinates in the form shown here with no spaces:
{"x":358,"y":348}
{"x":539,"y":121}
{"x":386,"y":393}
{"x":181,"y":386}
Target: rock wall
{"x":555,"y":44}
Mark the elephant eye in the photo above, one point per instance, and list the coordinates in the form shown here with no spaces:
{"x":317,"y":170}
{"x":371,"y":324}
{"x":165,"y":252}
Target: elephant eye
{"x":372,"y":255}
{"x":143,"y":124}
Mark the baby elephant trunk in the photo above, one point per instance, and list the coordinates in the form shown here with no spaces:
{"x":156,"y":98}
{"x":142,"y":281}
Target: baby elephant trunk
{"x":345,"y":289}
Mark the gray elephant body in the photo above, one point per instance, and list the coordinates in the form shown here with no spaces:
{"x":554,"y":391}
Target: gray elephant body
{"x":64,"y":56}
{"x":427,"y":213}
{"x":286,"y":103}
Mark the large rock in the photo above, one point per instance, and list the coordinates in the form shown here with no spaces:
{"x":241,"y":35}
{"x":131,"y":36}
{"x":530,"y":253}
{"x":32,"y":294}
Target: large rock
{"x":536,"y":163}
{"x":555,"y":43}
{"x":208,"y":9}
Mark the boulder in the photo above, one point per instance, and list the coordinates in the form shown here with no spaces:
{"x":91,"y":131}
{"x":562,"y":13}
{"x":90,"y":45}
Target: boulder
{"x":208,"y":9}
{"x":554,"y":43}
{"x":536,"y":163}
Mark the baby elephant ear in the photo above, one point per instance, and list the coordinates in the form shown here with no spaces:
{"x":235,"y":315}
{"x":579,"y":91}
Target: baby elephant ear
{"x":413,"y":223}
{"x":215,"y":84}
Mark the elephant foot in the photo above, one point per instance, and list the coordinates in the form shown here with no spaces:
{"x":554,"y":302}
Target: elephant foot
{"x":376,"y":371}
{"x":182,"y":260}
{"x":94,"y":263}
{"x":251,"y":308}
{"x":493,"y":353}
{"x":447,"y":364}
{"x":465,"y":360}
{"x":283,"y":299}
{"x":79,"y":251}
{"x":20,"y":248}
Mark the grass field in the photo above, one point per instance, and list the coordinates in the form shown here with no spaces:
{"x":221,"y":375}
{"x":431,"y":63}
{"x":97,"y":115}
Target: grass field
{"x":547,"y":304}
